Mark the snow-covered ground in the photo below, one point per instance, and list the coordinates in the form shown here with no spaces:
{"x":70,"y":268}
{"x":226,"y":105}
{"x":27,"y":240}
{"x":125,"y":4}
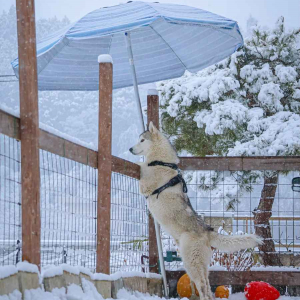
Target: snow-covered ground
{"x":88,"y":290}
{"x":90,"y":293}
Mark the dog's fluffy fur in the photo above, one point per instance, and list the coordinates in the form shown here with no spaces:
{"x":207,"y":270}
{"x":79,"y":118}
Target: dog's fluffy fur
{"x":173,"y":211}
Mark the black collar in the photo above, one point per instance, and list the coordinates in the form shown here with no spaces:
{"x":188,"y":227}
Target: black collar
{"x":161,"y":163}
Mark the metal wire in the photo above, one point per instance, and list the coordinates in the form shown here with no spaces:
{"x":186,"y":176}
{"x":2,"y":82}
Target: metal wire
{"x":10,"y":201}
{"x":129,"y":226}
{"x":226,"y":200}
{"x":68,"y":212}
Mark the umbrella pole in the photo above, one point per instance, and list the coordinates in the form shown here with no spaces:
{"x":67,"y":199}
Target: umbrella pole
{"x":135,"y":85}
{"x":138,"y":102}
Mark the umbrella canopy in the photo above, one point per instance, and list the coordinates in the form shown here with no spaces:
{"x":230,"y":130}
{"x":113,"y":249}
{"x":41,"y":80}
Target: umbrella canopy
{"x":166,"y":40}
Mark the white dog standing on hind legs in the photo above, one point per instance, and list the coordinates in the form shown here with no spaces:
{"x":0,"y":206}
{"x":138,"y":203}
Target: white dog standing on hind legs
{"x":163,"y":186}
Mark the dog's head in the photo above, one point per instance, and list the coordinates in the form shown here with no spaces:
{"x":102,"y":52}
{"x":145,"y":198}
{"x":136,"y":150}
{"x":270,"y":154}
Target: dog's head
{"x":146,"y":141}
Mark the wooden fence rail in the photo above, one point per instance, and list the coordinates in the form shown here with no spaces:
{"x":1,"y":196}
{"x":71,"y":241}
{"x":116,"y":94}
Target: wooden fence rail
{"x":10,"y":126}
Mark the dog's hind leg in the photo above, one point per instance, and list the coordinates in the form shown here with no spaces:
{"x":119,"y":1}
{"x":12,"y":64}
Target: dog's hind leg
{"x":196,"y":254}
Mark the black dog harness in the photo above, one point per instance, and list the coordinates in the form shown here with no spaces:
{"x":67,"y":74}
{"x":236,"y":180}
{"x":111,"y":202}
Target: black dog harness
{"x":173,"y":181}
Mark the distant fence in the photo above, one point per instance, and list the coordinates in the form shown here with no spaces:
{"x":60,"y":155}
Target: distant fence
{"x":227,"y":191}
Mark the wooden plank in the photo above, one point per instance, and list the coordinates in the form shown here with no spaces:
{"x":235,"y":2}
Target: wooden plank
{"x":29,"y":129}
{"x":104,"y":167}
{"x":9,"y":125}
{"x":153,"y":115}
{"x":289,"y":163}
{"x":64,"y":148}
{"x":286,"y":278}
{"x":125,"y":167}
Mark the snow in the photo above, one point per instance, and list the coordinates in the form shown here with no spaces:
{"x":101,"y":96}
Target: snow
{"x":51,"y":130}
{"x":277,"y":135}
{"x":269,"y":97}
{"x":52,"y":271}
{"x":101,"y":276}
{"x":70,"y":269}
{"x":286,"y":74}
{"x":85,"y":271}
{"x":223,"y":115}
{"x":90,"y":290}
{"x":9,"y":110}
{"x":121,"y":274}
{"x":27,"y":267}
{"x":67,"y":137}
{"x":217,"y":268}
{"x":38,"y":294}
{"x":105,"y":58}
{"x":152,"y":92}
{"x":15,"y":295}
{"x":6,"y":271}
{"x":75,"y":292}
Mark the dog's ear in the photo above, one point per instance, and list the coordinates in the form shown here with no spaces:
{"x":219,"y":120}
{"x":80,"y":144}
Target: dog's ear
{"x":152,"y":128}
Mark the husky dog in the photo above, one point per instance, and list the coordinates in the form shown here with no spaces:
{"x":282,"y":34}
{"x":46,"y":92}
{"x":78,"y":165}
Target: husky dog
{"x":164,"y":188}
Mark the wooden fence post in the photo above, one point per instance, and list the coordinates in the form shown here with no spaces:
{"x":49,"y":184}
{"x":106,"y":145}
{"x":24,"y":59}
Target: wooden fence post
{"x":153,"y":115}
{"x":29,"y":121}
{"x":104,"y":163}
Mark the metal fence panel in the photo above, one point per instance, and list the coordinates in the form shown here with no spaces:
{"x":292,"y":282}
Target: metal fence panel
{"x":226,"y":200}
{"x":68,"y":212}
{"x":10,"y":200}
{"x":129,"y":225}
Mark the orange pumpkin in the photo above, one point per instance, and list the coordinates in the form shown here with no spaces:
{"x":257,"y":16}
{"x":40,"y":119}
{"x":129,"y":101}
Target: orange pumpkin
{"x":184,"y":288}
{"x":222,"y":292}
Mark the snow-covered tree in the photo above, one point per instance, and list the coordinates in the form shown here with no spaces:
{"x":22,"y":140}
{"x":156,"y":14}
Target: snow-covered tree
{"x":247,"y":105}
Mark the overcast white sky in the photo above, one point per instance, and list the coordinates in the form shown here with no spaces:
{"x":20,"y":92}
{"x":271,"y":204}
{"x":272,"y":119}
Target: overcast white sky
{"x":266,"y":11}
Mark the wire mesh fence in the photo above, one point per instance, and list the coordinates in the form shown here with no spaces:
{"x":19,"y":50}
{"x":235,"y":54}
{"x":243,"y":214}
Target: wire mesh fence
{"x":239,"y":203}
{"x":231,"y":202}
{"x":129,"y":225}
{"x":68,"y":212}
{"x":10,"y":200}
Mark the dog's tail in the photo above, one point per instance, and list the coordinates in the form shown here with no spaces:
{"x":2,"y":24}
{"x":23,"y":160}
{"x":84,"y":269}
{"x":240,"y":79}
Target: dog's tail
{"x":232,"y":243}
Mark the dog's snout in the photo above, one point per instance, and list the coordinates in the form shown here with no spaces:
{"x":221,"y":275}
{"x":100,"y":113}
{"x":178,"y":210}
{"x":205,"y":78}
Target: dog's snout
{"x":131,"y":150}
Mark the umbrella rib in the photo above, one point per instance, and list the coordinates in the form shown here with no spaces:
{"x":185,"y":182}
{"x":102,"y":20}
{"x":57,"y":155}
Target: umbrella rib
{"x":169,"y":47}
{"x":110,"y":43}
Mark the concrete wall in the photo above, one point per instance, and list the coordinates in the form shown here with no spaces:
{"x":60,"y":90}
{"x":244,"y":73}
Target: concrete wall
{"x":22,"y":281}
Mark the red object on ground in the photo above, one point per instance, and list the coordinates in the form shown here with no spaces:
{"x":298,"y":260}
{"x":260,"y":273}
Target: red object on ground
{"x":259,"y":290}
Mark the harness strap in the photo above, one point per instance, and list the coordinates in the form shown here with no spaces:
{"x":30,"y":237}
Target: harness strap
{"x":175,"y":180}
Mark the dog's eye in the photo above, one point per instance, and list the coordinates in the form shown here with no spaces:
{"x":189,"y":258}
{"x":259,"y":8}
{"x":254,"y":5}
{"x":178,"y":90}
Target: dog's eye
{"x":142,"y":140}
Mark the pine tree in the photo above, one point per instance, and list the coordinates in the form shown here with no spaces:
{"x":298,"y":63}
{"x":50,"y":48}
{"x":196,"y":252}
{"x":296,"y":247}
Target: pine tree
{"x":247,"y":105}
